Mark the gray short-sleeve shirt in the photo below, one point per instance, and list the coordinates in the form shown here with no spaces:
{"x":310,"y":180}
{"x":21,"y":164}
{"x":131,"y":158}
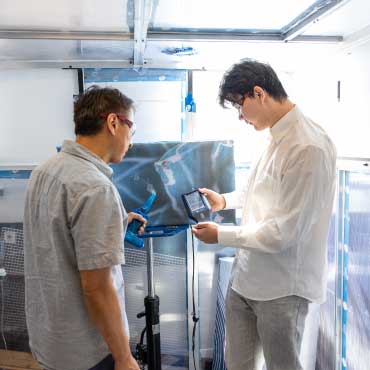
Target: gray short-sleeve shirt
{"x":74,"y":220}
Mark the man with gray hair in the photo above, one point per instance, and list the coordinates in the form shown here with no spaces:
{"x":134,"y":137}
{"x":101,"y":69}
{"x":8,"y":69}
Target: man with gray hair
{"x":74,"y":227}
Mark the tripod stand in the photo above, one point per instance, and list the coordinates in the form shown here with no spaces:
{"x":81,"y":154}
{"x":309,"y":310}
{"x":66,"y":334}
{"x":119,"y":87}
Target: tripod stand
{"x":150,"y":353}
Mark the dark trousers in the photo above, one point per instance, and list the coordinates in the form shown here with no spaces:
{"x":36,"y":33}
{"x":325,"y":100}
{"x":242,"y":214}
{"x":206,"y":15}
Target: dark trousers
{"x":105,"y":364}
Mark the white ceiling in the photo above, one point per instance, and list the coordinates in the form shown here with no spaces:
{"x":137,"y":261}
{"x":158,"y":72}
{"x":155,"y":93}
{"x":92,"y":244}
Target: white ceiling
{"x":65,"y":15}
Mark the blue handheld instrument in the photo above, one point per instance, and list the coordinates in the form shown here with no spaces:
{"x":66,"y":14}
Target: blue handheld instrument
{"x":134,"y":226}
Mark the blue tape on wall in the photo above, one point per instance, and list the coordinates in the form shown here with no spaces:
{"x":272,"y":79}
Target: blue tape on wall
{"x":98,"y":75}
{"x":15,"y":174}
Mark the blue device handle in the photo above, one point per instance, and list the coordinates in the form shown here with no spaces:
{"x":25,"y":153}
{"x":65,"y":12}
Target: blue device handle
{"x":134,"y":226}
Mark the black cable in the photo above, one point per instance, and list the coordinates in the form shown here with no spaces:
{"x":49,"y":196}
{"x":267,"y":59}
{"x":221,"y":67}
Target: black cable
{"x":142,"y":336}
{"x":195,"y":318}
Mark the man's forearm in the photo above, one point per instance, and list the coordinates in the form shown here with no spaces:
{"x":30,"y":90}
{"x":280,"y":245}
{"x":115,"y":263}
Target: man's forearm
{"x":104,"y":309}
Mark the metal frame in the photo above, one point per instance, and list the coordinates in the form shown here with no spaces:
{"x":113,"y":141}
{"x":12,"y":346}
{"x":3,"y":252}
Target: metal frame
{"x":317,"y":10}
{"x":69,"y":64}
{"x":240,"y":35}
{"x":142,"y":34}
{"x":143,"y":14}
{"x":65,"y":35}
{"x":160,"y":35}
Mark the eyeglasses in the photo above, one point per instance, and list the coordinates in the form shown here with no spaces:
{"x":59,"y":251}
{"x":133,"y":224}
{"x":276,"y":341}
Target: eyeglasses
{"x":239,"y":104}
{"x":126,"y":121}
{"x":131,"y":125}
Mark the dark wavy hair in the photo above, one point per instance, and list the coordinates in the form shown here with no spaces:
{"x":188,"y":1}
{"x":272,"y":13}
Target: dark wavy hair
{"x":93,"y":104}
{"x":242,"y":77}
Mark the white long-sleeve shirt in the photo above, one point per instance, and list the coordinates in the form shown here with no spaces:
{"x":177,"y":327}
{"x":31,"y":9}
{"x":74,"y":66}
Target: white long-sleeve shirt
{"x":287,"y":205}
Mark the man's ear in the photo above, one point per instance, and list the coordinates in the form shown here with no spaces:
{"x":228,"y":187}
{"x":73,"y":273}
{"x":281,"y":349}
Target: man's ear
{"x":111,"y":123}
{"x":259,"y":92}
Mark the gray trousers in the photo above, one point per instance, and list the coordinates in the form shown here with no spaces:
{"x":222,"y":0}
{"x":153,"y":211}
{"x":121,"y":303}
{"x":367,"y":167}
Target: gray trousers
{"x":271,"y":330}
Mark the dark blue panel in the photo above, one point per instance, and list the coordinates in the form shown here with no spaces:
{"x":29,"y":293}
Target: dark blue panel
{"x":171,"y":169}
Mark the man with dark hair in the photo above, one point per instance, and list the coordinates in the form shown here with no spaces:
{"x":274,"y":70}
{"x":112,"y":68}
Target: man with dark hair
{"x":280,"y":265}
{"x":74,"y":227}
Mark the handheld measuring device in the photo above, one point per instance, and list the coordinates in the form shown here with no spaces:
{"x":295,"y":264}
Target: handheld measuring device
{"x":133,"y":227}
{"x":197,"y":206}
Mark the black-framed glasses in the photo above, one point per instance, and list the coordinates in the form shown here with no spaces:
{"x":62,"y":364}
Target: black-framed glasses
{"x":238,"y":104}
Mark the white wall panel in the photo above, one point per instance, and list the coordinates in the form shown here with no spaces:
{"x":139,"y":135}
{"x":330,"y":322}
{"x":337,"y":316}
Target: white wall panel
{"x":157,"y":108}
{"x":36,"y":108}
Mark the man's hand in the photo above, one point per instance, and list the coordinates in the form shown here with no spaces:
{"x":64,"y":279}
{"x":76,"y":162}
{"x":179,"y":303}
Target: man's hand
{"x":128,"y":363}
{"x":217,"y":201}
{"x":207,"y":232}
{"x":136,"y":216}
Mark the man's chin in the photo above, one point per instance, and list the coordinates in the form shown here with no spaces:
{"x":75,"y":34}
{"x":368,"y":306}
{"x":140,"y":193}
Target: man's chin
{"x":118,"y":159}
{"x":257,"y":128}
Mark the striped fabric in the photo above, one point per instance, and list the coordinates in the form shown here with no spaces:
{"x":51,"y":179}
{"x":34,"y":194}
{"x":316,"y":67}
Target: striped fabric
{"x":225,"y":265}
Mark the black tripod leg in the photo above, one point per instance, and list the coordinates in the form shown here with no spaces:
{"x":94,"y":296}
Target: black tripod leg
{"x":153,"y":332}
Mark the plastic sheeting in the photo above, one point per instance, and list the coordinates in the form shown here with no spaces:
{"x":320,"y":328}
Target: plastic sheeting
{"x":171,"y":169}
{"x":225,"y":267}
{"x":344,"y":339}
{"x":358,"y":313}
{"x":326,"y":346}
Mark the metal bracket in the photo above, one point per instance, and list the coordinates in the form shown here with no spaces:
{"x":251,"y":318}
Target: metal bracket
{"x":317,"y":10}
{"x":143,"y":13}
